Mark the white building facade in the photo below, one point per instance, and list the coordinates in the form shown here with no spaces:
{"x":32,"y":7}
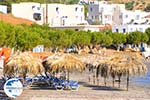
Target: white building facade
{"x":130,"y":21}
{"x":125,"y":17}
{"x":3,"y":9}
{"x":52,"y":14}
{"x":31,"y":11}
{"x":64,"y":15}
{"x":103,"y":12}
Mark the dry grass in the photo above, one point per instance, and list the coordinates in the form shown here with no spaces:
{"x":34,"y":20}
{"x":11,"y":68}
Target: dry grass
{"x":14,"y":20}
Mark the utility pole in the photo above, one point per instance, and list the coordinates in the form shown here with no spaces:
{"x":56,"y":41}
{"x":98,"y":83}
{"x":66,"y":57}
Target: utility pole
{"x":46,"y":12}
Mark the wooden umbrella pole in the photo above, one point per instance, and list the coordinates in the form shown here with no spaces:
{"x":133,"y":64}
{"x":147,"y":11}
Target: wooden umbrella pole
{"x":113,"y":82}
{"x":89,"y":79}
{"x":68,"y":76}
{"x":127,"y":80}
{"x":119,"y":81}
{"x":105,"y":81}
{"x":93,"y":78}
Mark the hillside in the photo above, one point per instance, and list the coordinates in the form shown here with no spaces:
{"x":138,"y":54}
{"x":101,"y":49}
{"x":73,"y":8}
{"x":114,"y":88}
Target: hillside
{"x":14,"y":20}
{"x":134,"y":4}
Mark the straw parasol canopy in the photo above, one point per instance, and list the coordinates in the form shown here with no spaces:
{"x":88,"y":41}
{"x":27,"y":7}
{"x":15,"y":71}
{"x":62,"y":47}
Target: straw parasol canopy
{"x":67,"y":62}
{"x":22,"y":64}
{"x":124,"y":65}
{"x":48,"y":61}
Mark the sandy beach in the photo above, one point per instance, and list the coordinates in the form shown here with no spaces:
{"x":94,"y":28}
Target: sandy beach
{"x":139,"y":89}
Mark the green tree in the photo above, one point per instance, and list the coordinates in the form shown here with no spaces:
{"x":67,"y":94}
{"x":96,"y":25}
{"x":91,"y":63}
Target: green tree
{"x":85,"y":10}
{"x":129,"y":5}
{"x":82,"y":39}
{"x":134,"y":38}
{"x":147,"y":31}
{"x":106,"y":40}
{"x":144,"y":38}
{"x":118,"y":39}
{"x":147,"y":8}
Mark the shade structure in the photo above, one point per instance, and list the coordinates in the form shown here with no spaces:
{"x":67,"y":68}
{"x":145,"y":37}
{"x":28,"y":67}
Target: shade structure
{"x":126,"y":65}
{"x":49,"y":60}
{"x":67,"y":62}
{"x":130,"y":65}
{"x":92,"y":59}
{"x":23,"y":63}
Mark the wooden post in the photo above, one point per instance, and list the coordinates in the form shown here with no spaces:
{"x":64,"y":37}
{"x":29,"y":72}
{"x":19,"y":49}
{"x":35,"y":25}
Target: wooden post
{"x":46,"y":13}
{"x":89,"y":79}
{"x":127,"y":80}
{"x":97,"y":80}
{"x":119,"y":81}
{"x":94,"y":79}
{"x":68,"y":76}
{"x":113,"y":82}
{"x":105,"y":81}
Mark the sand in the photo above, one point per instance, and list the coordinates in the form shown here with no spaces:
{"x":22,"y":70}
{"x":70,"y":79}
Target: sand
{"x":89,"y":91}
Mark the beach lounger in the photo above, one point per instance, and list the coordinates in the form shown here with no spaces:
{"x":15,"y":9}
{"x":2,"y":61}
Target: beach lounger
{"x":73,"y":85}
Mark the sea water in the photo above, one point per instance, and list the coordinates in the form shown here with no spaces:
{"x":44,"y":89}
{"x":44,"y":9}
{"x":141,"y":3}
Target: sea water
{"x":142,"y":79}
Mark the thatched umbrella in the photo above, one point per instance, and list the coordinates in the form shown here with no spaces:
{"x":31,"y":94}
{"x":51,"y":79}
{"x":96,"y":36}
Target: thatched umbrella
{"x":67,"y":63}
{"x":105,"y":68}
{"x":48,"y":61}
{"x":91,"y":61}
{"x":22,"y":64}
{"x":133,"y":66}
{"x":125,"y":65}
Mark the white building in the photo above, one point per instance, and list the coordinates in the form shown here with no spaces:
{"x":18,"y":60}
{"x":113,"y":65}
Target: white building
{"x":3,"y":9}
{"x":124,"y":17}
{"x":64,"y":15}
{"x":31,"y":11}
{"x":103,"y":12}
{"x":130,"y":21}
{"x":52,"y":14}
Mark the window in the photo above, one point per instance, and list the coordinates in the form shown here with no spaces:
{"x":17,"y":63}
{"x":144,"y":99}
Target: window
{"x":137,"y":17}
{"x":126,"y":16}
{"x":33,"y":7}
{"x":91,"y":9}
{"x":81,"y":18}
{"x":96,"y":17}
{"x":117,"y":30}
{"x":76,"y":9}
{"x":124,"y":30}
{"x":81,"y":9}
{"x":141,"y":29}
{"x":37,"y":16}
{"x":64,"y":16}
{"x":57,"y":9}
{"x":76,"y":29}
{"x":120,"y":16}
{"x":38,"y":8}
